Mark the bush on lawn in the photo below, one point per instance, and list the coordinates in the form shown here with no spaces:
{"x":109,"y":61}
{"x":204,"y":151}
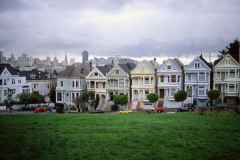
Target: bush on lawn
{"x":59,"y":107}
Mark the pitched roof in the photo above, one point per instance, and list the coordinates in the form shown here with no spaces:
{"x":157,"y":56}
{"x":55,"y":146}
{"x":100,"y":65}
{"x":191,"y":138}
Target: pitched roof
{"x":218,"y":60}
{"x":71,"y":71}
{"x":39,"y":75}
{"x":178,"y":62}
{"x":104,"y":69}
{"x":128,"y":67}
{"x":201,"y":57}
{"x":9,"y":68}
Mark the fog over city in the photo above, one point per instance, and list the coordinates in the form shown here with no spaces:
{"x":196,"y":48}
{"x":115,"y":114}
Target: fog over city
{"x":130,"y":28}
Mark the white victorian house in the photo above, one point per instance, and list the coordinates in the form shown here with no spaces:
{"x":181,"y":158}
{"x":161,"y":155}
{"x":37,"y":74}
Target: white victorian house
{"x":96,"y":81}
{"x":227,"y":79}
{"x":197,"y":81}
{"x":10,"y":79}
{"x":70,"y":84}
{"x":170,"y":80}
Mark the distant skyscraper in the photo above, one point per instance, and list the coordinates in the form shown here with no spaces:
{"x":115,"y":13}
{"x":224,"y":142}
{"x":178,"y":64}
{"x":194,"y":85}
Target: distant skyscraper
{"x":66,"y":61}
{"x":84,"y":56}
{"x":55,"y":61}
{"x":72,"y":61}
{"x":1,"y":57}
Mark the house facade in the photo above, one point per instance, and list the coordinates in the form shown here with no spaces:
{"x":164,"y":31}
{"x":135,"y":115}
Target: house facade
{"x":96,"y":81}
{"x":227,"y":79}
{"x":70,"y":84}
{"x":143,"y":78}
{"x":170,"y":80}
{"x":10,"y":81}
{"x":197,"y":81}
{"x":41,"y":81}
{"x":119,"y":81}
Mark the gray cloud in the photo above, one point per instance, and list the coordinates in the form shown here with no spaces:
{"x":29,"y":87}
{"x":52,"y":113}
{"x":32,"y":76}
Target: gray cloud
{"x":130,"y":28}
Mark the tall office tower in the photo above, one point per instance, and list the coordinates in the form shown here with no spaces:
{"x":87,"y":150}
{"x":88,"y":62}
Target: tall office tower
{"x":1,"y":57}
{"x":66,"y":61}
{"x":72,"y":61}
{"x":55,"y":61}
{"x":84,"y":56}
{"x":30,"y":61}
{"x":48,"y":60}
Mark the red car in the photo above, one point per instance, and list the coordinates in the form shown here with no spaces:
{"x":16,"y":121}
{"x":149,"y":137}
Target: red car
{"x":37,"y":110}
{"x":159,"y":109}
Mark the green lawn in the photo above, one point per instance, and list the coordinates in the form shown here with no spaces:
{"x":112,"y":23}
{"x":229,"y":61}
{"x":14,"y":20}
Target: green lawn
{"x":119,"y":136}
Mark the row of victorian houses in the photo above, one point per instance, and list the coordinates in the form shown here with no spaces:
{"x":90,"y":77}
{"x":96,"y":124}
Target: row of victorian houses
{"x":197,"y":78}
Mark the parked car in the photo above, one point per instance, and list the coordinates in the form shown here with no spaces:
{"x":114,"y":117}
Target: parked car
{"x":159,"y":109}
{"x":187,"y":107}
{"x":129,"y":111}
{"x":219,"y":106}
{"x":37,"y":110}
{"x":24,"y":108}
{"x":97,"y":111}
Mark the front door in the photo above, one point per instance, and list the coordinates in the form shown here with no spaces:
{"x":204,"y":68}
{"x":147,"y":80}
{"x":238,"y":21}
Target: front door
{"x":161,"y":93}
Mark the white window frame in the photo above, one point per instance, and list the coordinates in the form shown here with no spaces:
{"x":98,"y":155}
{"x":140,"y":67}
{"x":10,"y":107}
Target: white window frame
{"x":111,"y":83}
{"x":201,"y":79}
{"x":201,"y":91}
{"x":197,"y":65}
{"x":189,"y":77}
{"x":173,"y":91}
{"x":121,"y":82}
{"x":136,"y":80}
{"x":232,"y":86}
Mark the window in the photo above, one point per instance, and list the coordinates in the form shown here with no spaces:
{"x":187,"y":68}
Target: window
{"x":179,"y":78}
{"x":59,"y":97}
{"x":218,"y":74}
{"x":73,"y":95}
{"x":146,"y":80}
{"x":13,"y":81}
{"x":146,"y":93}
{"x":169,"y":67}
{"x":197,"y":65}
{"x":232,"y":74}
{"x":121,"y":82}
{"x":76,"y":84}
{"x":4,"y":82}
{"x":201,"y":91}
{"x":61,"y":83}
{"x":168,"y":78}
{"x":19,"y":81}
{"x":173,"y":91}
{"x":92,"y":85}
{"x":0,"y":81}
{"x":201,"y":76}
{"x":228,"y":60}
{"x":77,"y":94}
{"x":111,"y":83}
{"x":189,"y":91}
{"x":207,"y":77}
{"x":189,"y":77}
{"x":5,"y":92}
{"x":231,"y":88}
{"x":96,"y":74}
{"x":173,"y":78}
{"x":73,"y":84}
{"x":162,"y":78}
{"x":126,"y":83}
{"x":117,"y":71}
{"x":34,"y":85}
{"x":103,"y":84}
{"x":48,"y":86}
{"x":136,"y":80}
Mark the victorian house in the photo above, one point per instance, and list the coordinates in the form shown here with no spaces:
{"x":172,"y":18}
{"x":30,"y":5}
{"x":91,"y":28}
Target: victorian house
{"x":170,"y":80}
{"x":11,"y":84}
{"x":40,"y":81}
{"x":96,"y":81}
{"x":118,"y":82}
{"x":143,"y":78}
{"x":70,"y":84}
{"x":197,"y":81}
{"x":227,"y":79}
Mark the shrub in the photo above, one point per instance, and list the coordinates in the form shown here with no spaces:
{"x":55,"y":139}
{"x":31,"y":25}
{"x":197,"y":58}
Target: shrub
{"x":180,"y":96}
{"x":59,"y":107}
{"x":152,"y":97}
{"x":213,"y":94}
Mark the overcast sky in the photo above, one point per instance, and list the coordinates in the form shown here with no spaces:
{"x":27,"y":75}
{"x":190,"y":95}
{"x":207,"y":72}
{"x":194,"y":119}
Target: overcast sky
{"x":132,"y":28}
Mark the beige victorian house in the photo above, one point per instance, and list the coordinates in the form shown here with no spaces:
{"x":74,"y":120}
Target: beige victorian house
{"x":143,"y":82}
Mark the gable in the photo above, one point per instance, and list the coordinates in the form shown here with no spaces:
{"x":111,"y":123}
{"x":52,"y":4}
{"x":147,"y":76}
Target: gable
{"x":95,"y":73}
{"x":5,"y":73}
{"x":141,"y":69}
{"x":116,"y":71}
{"x":169,"y":66}
{"x":193,"y":65}
{"x":228,"y":61}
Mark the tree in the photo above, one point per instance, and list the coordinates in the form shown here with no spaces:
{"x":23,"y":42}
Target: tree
{"x":232,"y":49}
{"x":87,"y":96}
{"x":180,"y":96}
{"x":120,"y":99}
{"x":52,"y":94}
{"x":152,"y":97}
{"x":213,"y":95}
{"x":96,"y":101}
{"x":25,"y":98}
{"x":37,"y":98}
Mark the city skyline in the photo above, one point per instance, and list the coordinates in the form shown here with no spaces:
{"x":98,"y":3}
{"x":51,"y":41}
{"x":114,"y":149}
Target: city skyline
{"x":131,"y":28}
